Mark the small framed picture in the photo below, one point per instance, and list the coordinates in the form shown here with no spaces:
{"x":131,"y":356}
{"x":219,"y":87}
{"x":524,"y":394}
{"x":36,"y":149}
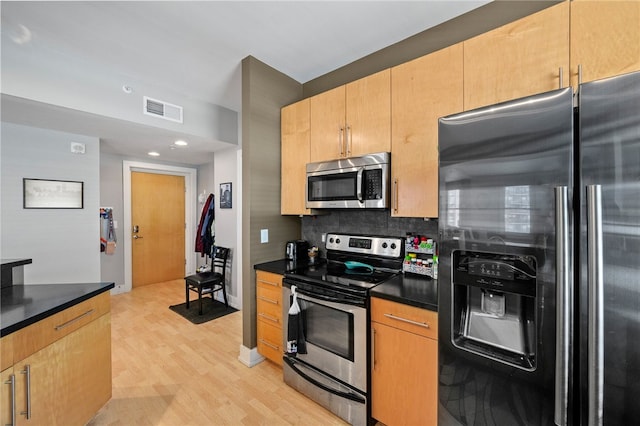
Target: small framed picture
{"x":52,"y":194}
{"x":225,"y":195}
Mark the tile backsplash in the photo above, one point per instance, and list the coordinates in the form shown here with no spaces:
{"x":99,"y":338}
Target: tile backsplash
{"x":369,"y":222}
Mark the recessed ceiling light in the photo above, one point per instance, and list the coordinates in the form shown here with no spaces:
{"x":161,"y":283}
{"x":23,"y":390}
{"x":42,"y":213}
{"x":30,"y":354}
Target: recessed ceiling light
{"x":127,"y":89}
{"x":154,"y":153}
{"x":180,"y":143}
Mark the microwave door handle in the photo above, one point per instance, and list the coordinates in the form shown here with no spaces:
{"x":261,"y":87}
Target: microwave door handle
{"x":359,"y":184}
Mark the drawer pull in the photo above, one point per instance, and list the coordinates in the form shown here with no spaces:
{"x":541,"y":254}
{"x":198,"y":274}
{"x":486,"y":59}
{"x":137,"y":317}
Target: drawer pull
{"x":421,"y":324}
{"x":71,"y":321}
{"x":269,"y":318}
{"x":270,"y":283}
{"x":264,"y":299}
{"x":271,"y":345}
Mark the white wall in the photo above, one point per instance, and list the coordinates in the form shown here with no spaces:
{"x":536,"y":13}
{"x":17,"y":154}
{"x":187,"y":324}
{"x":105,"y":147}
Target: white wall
{"x":63,"y":243}
{"x":226,"y":164}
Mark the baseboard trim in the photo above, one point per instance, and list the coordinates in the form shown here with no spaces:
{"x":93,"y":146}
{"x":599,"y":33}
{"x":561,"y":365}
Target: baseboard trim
{"x":249,"y":357}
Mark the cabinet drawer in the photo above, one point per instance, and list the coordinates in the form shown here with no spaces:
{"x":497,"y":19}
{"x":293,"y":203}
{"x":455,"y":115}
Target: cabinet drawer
{"x":269,"y":302}
{"x":405,"y":317}
{"x":6,"y":352}
{"x":270,"y":342}
{"x":41,"y":334}
{"x":268,"y":280}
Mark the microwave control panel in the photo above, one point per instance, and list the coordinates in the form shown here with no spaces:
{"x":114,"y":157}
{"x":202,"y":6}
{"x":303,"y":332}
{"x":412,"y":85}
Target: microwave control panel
{"x":372,"y":184}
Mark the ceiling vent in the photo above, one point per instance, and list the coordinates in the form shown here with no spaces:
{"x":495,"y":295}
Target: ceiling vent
{"x":162,"y":109}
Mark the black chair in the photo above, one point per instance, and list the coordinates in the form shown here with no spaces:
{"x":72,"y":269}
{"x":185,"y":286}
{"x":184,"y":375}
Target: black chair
{"x":205,"y":283}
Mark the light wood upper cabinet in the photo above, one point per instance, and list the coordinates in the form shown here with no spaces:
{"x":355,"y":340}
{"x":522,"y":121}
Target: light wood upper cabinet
{"x":295,"y":154}
{"x":422,"y":91}
{"x":605,"y":39}
{"x":518,"y":59}
{"x":353,"y":119}
{"x":404,"y":376}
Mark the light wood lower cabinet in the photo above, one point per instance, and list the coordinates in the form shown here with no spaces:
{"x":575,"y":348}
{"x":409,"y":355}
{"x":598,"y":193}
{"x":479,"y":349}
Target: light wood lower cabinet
{"x":404,"y":388}
{"x":269,"y":313}
{"x":68,"y":380}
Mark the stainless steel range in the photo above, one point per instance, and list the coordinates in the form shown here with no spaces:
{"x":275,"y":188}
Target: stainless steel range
{"x":334,"y":303}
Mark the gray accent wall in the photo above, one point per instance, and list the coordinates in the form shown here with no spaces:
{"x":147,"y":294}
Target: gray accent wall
{"x":63,"y":243}
{"x":264,"y":92}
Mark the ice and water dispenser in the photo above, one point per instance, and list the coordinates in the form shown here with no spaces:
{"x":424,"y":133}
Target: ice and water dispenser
{"x":494,"y":306}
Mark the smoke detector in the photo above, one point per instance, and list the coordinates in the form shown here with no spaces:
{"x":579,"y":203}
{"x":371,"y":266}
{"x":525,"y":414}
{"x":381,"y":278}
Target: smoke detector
{"x":162,"y":109}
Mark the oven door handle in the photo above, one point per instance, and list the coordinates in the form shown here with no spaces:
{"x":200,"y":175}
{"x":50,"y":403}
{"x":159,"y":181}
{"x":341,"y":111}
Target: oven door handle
{"x":291,"y":362}
{"x":326,"y":298}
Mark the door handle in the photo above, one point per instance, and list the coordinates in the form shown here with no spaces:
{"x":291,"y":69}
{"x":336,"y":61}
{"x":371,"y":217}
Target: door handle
{"x":564,"y":301}
{"x":135,"y":237}
{"x":596,"y":308}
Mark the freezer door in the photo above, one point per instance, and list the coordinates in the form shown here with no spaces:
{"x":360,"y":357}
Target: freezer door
{"x":500,"y":168}
{"x":609,"y":130}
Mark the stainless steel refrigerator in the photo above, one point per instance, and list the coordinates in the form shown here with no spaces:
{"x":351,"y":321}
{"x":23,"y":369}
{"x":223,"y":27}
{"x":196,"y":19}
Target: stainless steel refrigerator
{"x":539,"y":266}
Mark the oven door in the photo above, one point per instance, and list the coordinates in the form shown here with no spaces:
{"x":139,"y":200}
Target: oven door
{"x":335,"y":333}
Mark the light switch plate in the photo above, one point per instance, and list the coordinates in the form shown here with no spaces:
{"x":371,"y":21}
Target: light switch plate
{"x":264,"y":236}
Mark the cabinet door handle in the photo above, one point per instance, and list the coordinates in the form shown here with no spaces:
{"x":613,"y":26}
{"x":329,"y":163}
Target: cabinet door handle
{"x":27,"y":372}
{"x":270,"y":283}
{"x":269,"y":317}
{"x":421,"y":324}
{"x":341,"y":142}
{"x":349,"y":137}
{"x":395,"y":195}
{"x":264,"y":299}
{"x":373,"y":347}
{"x":12,"y":383}
{"x":271,"y":345}
{"x":71,"y":321}
{"x":560,"y":77}
{"x":579,"y":74}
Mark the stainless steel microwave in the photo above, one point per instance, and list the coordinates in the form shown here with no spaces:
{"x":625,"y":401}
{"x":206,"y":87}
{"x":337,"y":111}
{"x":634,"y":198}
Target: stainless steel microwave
{"x":349,"y":183}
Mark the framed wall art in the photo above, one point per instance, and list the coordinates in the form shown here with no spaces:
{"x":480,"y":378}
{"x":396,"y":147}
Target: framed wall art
{"x":52,"y":194}
{"x":225,"y":195}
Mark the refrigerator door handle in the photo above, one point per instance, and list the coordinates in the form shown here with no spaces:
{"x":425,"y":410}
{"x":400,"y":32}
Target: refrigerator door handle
{"x":564,"y":300}
{"x":596,"y":304}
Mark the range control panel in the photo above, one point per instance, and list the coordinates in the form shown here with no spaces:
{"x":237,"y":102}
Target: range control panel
{"x":378,"y":246}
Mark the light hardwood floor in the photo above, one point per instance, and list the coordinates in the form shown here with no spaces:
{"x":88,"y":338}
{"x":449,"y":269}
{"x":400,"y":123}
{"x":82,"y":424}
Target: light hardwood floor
{"x":168,"y":371}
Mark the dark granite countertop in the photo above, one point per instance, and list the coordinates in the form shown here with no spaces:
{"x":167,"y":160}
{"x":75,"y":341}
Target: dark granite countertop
{"x":23,"y":305}
{"x":409,"y":289}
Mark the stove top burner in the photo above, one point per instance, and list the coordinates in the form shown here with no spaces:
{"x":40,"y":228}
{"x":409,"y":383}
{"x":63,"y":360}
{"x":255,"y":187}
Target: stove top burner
{"x":355,"y":263}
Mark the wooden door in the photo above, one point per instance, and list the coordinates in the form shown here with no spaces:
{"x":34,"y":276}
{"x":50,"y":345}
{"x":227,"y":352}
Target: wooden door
{"x":157,"y":209}
{"x":605,"y":39}
{"x":422,"y":91}
{"x":327,"y":130}
{"x":368,"y":115}
{"x":295,"y":154}
{"x":404,"y":387}
{"x":518,"y":59}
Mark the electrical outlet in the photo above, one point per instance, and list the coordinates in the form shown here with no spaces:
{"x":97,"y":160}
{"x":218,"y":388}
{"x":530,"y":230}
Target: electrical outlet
{"x":324,"y":237}
{"x":264,"y":236}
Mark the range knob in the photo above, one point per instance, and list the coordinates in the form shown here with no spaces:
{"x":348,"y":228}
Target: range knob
{"x":393,"y":246}
{"x":384,"y":245}
{"x":337,"y":240}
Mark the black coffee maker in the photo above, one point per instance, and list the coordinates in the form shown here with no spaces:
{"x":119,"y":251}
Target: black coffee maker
{"x":297,"y":251}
